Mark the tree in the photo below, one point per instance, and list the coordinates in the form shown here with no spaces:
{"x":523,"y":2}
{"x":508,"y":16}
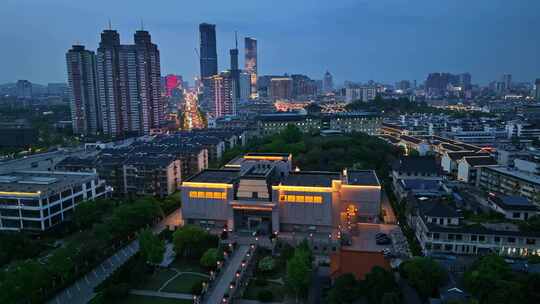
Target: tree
{"x":344,"y":290}
{"x":192,"y":241}
{"x":378,"y":282}
{"x":152,"y":248}
{"x":424,"y":274}
{"x":291,"y":134}
{"x":531,"y":225}
{"x":266,"y":264}
{"x":210,"y":257}
{"x":390,"y":298}
{"x":299,"y":270}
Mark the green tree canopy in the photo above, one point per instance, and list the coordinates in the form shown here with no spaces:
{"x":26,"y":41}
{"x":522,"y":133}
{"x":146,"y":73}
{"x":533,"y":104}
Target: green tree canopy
{"x":210,"y":257}
{"x":299,"y":271}
{"x":424,"y":274}
{"x":192,"y":241}
{"x":152,"y":248}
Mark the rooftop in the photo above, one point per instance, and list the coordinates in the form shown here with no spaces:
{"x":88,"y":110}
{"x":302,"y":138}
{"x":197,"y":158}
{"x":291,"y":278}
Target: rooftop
{"x":362,"y":177}
{"x":311,"y":179}
{"x":531,"y":178}
{"x":224,"y":176}
{"x":480,"y":160}
{"x":512,"y":202}
{"x":41,"y":181}
{"x":423,"y":164}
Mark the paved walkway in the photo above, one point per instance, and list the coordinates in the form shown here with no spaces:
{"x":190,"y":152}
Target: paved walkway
{"x":161,"y":294}
{"x":82,"y":291}
{"x":227,"y":275}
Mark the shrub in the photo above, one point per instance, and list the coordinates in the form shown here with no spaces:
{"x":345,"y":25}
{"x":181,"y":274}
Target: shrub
{"x":210,"y":258}
{"x":196,"y":289}
{"x":265,"y":296}
{"x":260,"y":282}
{"x":266,"y":264}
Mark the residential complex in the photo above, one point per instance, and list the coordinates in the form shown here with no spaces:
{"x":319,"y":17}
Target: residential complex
{"x":40,"y":200}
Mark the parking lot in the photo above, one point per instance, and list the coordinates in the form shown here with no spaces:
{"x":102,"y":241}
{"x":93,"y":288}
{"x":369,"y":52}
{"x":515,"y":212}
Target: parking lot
{"x":364,"y":239}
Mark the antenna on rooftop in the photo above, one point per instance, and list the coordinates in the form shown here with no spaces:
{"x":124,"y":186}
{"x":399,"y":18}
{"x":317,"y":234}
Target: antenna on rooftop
{"x":110,"y":26}
{"x":142,"y":25}
{"x":235,"y":39}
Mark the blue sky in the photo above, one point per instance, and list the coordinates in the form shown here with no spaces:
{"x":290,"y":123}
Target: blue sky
{"x":359,"y":40}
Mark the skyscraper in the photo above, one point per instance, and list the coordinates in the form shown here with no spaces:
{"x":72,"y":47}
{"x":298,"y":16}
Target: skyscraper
{"x":281,"y":88}
{"x":85,"y":110}
{"x":251,"y":63}
{"x":208,"y":51}
{"x":328,"y":82}
{"x":537,"y":89}
{"x":24,"y":89}
{"x":507,"y":81}
{"x":129,"y":84}
{"x":221,"y":89}
{"x":235,"y":72}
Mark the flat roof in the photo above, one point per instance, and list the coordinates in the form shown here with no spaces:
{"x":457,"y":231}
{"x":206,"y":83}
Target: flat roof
{"x":222,"y":176}
{"x":517,"y":174}
{"x":362,"y":178}
{"x":41,"y":181}
{"x":267,"y":154}
{"x":310,"y":179}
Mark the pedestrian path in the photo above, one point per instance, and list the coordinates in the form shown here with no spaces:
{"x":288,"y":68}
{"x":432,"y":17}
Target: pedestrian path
{"x":222,"y":285}
{"x":161,"y":294}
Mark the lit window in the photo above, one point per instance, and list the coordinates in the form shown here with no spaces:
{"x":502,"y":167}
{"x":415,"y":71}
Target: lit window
{"x":192,"y":194}
{"x":309,"y":199}
{"x":217,"y":195}
{"x":282,"y":198}
{"x":291,"y":198}
{"x":317,"y":199}
{"x":224,"y":195}
{"x":209,"y":195}
{"x":200,"y":194}
{"x":300,"y":199}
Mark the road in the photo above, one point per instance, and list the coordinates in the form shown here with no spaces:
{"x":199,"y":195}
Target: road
{"x":192,"y":117}
{"x":82,"y":291}
{"x":216,"y":295}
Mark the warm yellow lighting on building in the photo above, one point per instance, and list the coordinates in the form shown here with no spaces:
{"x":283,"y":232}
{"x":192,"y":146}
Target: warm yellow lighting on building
{"x":207,"y":185}
{"x":301,"y":199}
{"x":20,"y":193}
{"x":207,"y":195}
{"x":302,"y":189}
{"x":260,"y":157}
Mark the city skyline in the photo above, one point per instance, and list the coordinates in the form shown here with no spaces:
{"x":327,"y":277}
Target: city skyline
{"x":447,"y":39}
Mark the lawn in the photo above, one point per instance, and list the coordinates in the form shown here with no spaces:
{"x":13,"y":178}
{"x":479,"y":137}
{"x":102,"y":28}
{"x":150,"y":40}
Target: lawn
{"x":157,"y":279}
{"x":252,"y":291}
{"x":135,"y":299}
{"x":185,"y":265}
{"x":184,"y":283}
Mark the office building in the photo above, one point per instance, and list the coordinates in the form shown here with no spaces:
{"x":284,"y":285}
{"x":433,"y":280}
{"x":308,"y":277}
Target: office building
{"x":235,"y":73}
{"x":129,"y":79}
{"x":208,"y":50}
{"x":303,"y":86}
{"x":281,"y":88}
{"x":328,"y":82}
{"x":259,"y":192}
{"x":39,"y":200}
{"x":85,"y":109}
{"x":362,"y":93}
{"x":251,"y":63}
{"x":506,"y":81}
{"x":465,"y":81}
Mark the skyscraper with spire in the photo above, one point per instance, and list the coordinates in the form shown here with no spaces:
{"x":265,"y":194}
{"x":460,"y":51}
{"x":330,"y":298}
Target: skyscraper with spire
{"x":129,"y":84}
{"x":85,"y":110}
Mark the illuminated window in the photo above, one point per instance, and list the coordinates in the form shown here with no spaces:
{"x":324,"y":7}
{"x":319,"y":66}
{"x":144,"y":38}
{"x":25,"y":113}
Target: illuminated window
{"x":200,"y":194}
{"x":224,"y":195}
{"x":282,"y":198}
{"x":192,"y":194}
{"x":209,"y":195}
{"x":317,"y":199}
{"x":309,"y":199}
{"x":300,"y":199}
{"x":291,"y":198}
{"x":217,"y":195}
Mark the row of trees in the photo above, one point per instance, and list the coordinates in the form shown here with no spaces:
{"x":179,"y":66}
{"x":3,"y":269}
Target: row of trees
{"x":491,"y":280}
{"x":299,"y":271}
{"x":34,"y":280}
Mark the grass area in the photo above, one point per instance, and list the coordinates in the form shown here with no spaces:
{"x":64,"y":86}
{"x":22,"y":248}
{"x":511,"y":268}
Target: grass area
{"x":184,"y":283}
{"x":157,"y":279}
{"x":187,"y":265}
{"x":253,"y":289}
{"x":135,"y":299}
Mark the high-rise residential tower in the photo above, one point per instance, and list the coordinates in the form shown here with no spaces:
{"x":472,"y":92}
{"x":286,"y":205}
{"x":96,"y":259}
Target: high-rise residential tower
{"x":85,"y":109}
{"x":328,"y":82}
{"x":129,"y":84}
{"x":537,"y":89}
{"x":251,"y":63}
{"x":507,"y":81}
{"x":208,"y":50}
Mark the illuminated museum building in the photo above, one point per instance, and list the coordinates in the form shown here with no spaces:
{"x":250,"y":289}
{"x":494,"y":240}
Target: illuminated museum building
{"x":261,"y":192}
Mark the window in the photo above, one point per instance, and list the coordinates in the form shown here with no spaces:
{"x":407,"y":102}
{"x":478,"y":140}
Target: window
{"x":497,"y":239}
{"x":436,"y":236}
{"x":308,"y":198}
{"x":482,"y":238}
{"x":209,"y":195}
{"x":291,"y":198}
{"x":516,"y":215}
{"x":300,"y":199}
{"x":474,"y":238}
{"x":511,"y":240}
{"x":282,"y":198}
{"x":200,"y":194}
{"x":317,"y":199}
{"x":192,"y":194}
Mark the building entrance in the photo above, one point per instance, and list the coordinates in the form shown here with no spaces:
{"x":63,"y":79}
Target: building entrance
{"x":253,"y":221}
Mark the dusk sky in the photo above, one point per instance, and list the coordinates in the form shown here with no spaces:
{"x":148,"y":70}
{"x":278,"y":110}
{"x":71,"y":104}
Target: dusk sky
{"x":383,"y":40}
